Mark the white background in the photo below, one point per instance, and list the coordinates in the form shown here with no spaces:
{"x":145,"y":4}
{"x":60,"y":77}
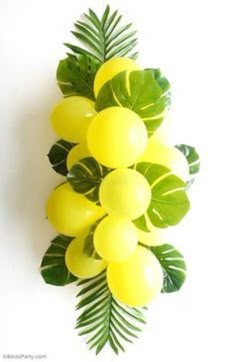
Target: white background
{"x":194,"y":44}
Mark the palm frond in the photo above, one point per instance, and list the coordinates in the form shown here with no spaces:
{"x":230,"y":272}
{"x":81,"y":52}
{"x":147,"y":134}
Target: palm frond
{"x":105,"y":38}
{"x":103,"y":318}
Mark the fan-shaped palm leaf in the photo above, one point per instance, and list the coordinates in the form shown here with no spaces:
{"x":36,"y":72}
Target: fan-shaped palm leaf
{"x":105,"y":38}
{"x":103,"y":318}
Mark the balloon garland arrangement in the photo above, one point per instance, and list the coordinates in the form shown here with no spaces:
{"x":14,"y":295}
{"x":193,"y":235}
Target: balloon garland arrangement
{"x":124,"y":183}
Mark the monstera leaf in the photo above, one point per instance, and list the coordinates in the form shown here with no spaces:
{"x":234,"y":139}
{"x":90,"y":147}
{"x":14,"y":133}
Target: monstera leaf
{"x":86,"y":176}
{"x":164,"y":84}
{"x":75,"y":75}
{"x":53,"y":267}
{"x":138,"y":91}
{"x":173,"y":266}
{"x":193,"y":160}
{"x":58,"y":154}
{"x":169,"y":201}
{"x":88,"y":241}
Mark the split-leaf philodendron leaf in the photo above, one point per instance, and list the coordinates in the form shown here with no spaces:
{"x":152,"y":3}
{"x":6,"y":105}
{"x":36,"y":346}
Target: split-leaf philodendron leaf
{"x":75,"y":75}
{"x":53,"y":267}
{"x":193,"y":159}
{"x":173,"y":266}
{"x":58,"y":154}
{"x":86,"y":176}
{"x":138,"y":91}
{"x":169,"y":201}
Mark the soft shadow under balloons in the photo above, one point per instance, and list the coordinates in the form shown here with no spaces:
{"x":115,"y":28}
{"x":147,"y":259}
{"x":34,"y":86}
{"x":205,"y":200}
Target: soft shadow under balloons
{"x":35,"y":178}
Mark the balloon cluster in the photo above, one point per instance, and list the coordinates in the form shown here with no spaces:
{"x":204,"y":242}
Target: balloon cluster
{"x":117,"y":139}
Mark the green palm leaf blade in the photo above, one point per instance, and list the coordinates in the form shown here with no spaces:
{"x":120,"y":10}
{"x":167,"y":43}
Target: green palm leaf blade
{"x":53,"y":267}
{"x":141,"y":93}
{"x":103,"y":319}
{"x":169,"y":200}
{"x":58,"y":155}
{"x":104,"y":37}
{"x":86,"y":176}
{"x":173,"y":265}
{"x":75,"y":75}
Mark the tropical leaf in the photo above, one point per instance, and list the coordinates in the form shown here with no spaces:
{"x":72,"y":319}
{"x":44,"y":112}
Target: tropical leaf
{"x":53,"y":267}
{"x":193,"y":160}
{"x":164,"y":84}
{"x":103,"y":318}
{"x":88,"y":242}
{"x":104,"y":38}
{"x":138,"y":91}
{"x":169,"y":201}
{"x":58,"y":154}
{"x":173,"y":266}
{"x":86,"y":176}
{"x":75,"y":75}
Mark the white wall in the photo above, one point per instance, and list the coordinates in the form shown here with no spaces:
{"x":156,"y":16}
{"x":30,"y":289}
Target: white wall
{"x":194,"y":43}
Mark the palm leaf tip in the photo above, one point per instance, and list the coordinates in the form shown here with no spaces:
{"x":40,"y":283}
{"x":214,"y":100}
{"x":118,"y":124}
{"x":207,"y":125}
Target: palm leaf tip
{"x":105,"y":37}
{"x":103,"y":319}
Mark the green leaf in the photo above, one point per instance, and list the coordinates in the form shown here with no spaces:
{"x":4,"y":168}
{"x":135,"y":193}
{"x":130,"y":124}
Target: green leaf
{"x":138,"y":91}
{"x":75,"y":75}
{"x":164,"y":84}
{"x":88,"y":242}
{"x":105,"y":37}
{"x":86,"y":176}
{"x":58,"y":154}
{"x":193,"y":160}
{"x":169,"y":201}
{"x":173,"y":266}
{"x":53,"y":267}
{"x":103,"y":318}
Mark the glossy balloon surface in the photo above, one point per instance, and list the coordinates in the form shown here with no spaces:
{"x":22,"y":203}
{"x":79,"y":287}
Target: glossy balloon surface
{"x":69,"y":212}
{"x":117,"y":137}
{"x":70,"y":118}
{"x":115,"y":238}
{"x":137,"y":280}
{"x":126,"y":193}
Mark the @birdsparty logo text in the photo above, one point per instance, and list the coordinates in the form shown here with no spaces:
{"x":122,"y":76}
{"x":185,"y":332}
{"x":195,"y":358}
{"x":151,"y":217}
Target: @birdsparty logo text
{"x":24,"y":356}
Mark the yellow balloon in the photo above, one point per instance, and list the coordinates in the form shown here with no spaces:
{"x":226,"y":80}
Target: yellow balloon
{"x":168,"y":156}
{"x":112,"y":67}
{"x":77,"y":153}
{"x":69,"y":212}
{"x":80,"y":264}
{"x":126,"y":193}
{"x":117,"y":137}
{"x":137,"y":280}
{"x":71,"y":117}
{"x":115,"y":238}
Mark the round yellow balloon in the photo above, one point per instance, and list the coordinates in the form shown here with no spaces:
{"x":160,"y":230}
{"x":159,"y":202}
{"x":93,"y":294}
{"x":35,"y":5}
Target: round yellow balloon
{"x":77,"y":153}
{"x":117,"y":137}
{"x":69,"y":212}
{"x":115,"y":238}
{"x":168,"y":156}
{"x":79,"y":263}
{"x":112,"y":67}
{"x":137,"y":280}
{"x":71,"y":117}
{"x":126,"y":193}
